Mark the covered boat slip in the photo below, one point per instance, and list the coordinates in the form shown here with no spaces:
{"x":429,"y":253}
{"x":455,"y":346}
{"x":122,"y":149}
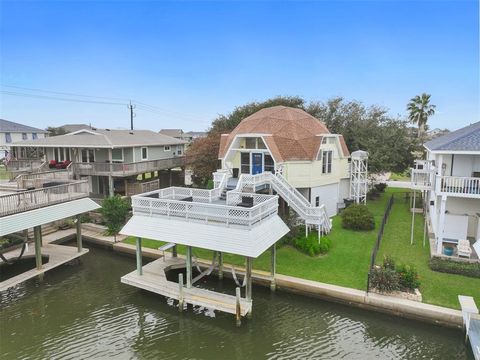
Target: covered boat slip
{"x":246,"y":224}
{"x":57,"y":254}
{"x":154,"y":279}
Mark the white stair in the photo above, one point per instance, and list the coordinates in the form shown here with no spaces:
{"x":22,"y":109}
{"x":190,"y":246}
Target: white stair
{"x":312,"y":215}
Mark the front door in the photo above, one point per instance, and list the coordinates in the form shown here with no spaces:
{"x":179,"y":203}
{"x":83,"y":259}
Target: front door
{"x":257,"y":163}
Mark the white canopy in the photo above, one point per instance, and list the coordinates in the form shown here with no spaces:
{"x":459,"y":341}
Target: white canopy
{"x":246,"y":242}
{"x":29,"y":219}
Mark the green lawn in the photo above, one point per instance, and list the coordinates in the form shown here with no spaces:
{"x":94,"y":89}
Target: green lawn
{"x":347,"y":262}
{"x":399,"y":177}
{"x":3,"y":172}
{"x":436,"y":288}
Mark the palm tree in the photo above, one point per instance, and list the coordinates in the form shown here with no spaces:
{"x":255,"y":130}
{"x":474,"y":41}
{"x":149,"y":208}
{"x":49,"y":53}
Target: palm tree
{"x":420,"y":110}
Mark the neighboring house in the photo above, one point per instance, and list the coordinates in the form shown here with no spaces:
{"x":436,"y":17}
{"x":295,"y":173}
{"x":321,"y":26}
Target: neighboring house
{"x":11,"y":132}
{"x":180,"y":134}
{"x":450,"y":176}
{"x":295,"y":144}
{"x":111,"y":160}
{"x":69,"y":128}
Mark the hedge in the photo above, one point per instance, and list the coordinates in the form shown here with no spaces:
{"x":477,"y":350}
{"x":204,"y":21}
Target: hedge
{"x":455,"y":267}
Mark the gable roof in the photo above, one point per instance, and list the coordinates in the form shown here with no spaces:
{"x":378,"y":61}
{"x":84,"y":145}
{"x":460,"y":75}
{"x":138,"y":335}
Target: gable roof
{"x":290,"y":133}
{"x":104,"y":139}
{"x":75,"y":127}
{"x":10,"y":126}
{"x":172,"y":132}
{"x":464,"y":139}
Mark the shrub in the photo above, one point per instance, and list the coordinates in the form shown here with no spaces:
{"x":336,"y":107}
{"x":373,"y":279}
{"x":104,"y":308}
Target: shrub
{"x":357,"y":217}
{"x":114,"y":212}
{"x":408,"y":277}
{"x":380,"y":187}
{"x":210,"y":184}
{"x":384,"y":280}
{"x":455,"y":267}
{"x":388,"y":262}
{"x":310,"y":246}
{"x":373,"y":194}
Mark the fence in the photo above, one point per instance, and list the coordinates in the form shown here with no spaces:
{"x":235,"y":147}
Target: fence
{"x":376,"y":246}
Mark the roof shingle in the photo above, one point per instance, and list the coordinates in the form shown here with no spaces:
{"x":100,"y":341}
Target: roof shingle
{"x":464,"y":139}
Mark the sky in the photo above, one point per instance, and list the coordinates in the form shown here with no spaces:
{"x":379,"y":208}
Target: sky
{"x":190,"y":61}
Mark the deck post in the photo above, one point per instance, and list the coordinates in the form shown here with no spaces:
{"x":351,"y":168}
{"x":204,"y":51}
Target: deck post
{"x":273,"y":267}
{"x":238,"y":312}
{"x":189,"y":267}
{"x":174,"y":251}
{"x":220,"y":265}
{"x":139,"y":256}
{"x":37,"y":234}
{"x":78,"y":225}
{"x":180,"y":294}
{"x":248,"y":274}
{"x":413,"y":217}
{"x":441,"y":225}
{"x":110,"y":185}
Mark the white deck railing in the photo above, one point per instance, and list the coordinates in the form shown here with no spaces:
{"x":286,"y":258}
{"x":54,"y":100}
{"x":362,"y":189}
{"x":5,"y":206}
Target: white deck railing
{"x":37,"y":179}
{"x":311,"y":214}
{"x":124,"y":169}
{"x":34,"y":199}
{"x":200,"y":210}
{"x":465,"y":186}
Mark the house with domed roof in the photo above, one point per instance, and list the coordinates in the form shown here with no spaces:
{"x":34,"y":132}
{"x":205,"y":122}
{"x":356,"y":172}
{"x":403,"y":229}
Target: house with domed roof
{"x":295,"y":144}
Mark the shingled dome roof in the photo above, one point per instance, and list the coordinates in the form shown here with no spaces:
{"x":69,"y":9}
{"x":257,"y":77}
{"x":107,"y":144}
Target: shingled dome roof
{"x":290,"y":133}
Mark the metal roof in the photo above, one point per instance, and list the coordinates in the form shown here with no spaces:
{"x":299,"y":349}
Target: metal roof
{"x":246,"y":242}
{"x":10,"y":126}
{"x":464,"y":139}
{"x":104,"y":138}
{"x":45,"y":215}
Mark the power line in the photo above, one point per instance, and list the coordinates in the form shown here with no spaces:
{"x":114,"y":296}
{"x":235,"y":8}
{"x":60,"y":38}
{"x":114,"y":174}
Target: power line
{"x":59,"y":98}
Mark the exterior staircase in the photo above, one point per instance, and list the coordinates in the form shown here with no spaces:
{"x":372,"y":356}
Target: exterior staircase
{"x":312,"y":215}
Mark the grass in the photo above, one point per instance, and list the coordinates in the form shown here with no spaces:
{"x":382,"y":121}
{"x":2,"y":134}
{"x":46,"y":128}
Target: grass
{"x":346,"y":264}
{"x":348,"y":261}
{"x":399,"y":177}
{"x":3,"y":172}
{"x":436,"y":288}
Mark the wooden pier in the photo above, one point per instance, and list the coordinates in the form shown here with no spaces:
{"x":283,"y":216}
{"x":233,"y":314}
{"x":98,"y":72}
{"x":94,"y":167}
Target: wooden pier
{"x":57,"y":255}
{"x":153,"y":278}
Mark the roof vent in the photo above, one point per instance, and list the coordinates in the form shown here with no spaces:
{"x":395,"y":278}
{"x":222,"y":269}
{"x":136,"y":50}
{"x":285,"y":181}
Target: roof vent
{"x":94,"y":128}
{"x":107,"y":129}
{"x":131,"y":132}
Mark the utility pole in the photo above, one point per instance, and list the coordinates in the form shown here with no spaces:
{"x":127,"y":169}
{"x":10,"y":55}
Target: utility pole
{"x":132,"y":114}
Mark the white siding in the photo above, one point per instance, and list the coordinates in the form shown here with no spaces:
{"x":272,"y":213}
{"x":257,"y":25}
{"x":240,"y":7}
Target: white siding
{"x":328,"y":196}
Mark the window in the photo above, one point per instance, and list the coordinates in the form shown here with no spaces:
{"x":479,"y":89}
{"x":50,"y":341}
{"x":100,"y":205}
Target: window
{"x":24,"y":136}
{"x":165,"y":148}
{"x":179,"y":149}
{"x":145,"y":153}
{"x":269,"y":165}
{"x":8,"y":138}
{"x":117,"y":155}
{"x":327,"y":162}
{"x":34,"y":136}
{"x":324,"y":140}
{"x":250,"y":143}
{"x":317,"y":201}
{"x":88,"y":155}
{"x":245,"y":163}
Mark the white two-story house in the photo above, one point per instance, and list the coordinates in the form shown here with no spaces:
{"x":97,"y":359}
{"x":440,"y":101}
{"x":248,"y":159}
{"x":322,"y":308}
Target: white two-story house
{"x":450,"y":176}
{"x":295,"y":144}
{"x":11,"y":132}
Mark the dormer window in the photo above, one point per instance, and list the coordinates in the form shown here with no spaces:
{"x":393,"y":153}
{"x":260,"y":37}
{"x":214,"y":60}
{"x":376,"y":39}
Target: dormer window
{"x":24,"y":136}
{"x":166,"y":148}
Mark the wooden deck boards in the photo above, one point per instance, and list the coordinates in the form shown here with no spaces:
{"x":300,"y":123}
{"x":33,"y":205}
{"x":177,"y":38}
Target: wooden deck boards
{"x":155,"y":280}
{"x":57,"y":254}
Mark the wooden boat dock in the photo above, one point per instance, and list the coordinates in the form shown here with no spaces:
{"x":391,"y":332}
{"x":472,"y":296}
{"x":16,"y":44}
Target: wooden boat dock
{"x":153,"y":279}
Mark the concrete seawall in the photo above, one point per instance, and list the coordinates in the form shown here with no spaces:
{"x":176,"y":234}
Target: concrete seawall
{"x":353,"y":297}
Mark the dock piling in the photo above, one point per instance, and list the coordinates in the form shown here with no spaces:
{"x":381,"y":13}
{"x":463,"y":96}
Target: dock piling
{"x":139,"y":256}
{"x":37,"y":233}
{"x":238,"y":316}
{"x":180,"y":288}
{"x":79,"y":233}
{"x":220,"y":265}
{"x":189,"y":267}
{"x":273,"y":267}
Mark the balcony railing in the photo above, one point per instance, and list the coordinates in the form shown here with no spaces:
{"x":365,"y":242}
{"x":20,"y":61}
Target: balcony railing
{"x":38,"y":198}
{"x":422,"y":179}
{"x":37,"y":179}
{"x":126,"y":169}
{"x":462,"y":186}
{"x":141,"y":187}
{"x":167,"y":203}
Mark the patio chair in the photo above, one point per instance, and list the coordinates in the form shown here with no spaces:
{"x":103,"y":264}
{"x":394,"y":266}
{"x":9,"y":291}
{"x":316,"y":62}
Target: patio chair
{"x":247,"y":201}
{"x":463,"y":248}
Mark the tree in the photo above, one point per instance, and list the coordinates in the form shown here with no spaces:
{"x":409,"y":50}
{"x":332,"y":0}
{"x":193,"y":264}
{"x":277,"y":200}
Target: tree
{"x":419,"y":110}
{"x":114,"y":211}
{"x":54,"y":131}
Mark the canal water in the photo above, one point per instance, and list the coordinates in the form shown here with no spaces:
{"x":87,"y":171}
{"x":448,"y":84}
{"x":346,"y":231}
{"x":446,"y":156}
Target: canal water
{"x":84,"y":312}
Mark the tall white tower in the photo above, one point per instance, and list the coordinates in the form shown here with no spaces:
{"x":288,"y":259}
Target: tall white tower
{"x":358,"y":176}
